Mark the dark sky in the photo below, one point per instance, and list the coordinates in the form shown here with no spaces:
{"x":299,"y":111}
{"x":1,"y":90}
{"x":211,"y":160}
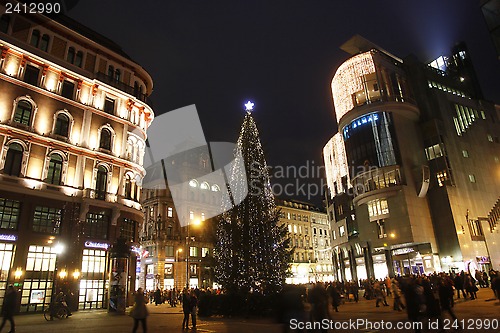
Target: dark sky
{"x":280,"y":54}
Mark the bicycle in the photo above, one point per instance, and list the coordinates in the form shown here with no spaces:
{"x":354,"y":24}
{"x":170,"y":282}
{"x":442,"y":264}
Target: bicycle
{"x":55,"y":311}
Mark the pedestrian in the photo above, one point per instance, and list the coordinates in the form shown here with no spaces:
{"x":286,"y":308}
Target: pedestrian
{"x":446,"y":294}
{"x":157,"y":297}
{"x":194,"y":308}
{"x":139,"y":310}
{"x":379,"y":294}
{"x":334,"y":294}
{"x":318,"y":298}
{"x":186,"y":308}
{"x":459,"y":284}
{"x":9,"y":308}
{"x":398,"y":304}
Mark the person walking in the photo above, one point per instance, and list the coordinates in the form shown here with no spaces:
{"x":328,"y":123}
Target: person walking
{"x":140,"y":311}
{"x":9,"y":308}
{"x":186,"y":308}
{"x":446,"y":294}
{"x":194,"y":308}
{"x":398,"y":304}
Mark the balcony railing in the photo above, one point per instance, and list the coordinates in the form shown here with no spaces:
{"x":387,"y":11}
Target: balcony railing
{"x":376,"y":179}
{"x":123,"y":87}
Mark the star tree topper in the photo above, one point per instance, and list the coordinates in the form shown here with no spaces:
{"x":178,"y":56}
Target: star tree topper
{"x":249,"y":106}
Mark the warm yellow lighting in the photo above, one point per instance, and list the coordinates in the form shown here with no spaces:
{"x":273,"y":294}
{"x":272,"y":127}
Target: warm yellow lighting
{"x":35,"y":168}
{"x":336,"y":166}
{"x":18,"y":273}
{"x":196,"y":222}
{"x":63,"y":274}
{"x":76,"y":274}
{"x":11,"y":65}
{"x":393,"y":235}
{"x":349,"y":80}
{"x":179,"y":250}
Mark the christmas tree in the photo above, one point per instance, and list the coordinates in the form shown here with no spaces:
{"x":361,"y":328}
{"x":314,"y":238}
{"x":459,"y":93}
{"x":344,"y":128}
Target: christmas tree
{"x":251,"y":249}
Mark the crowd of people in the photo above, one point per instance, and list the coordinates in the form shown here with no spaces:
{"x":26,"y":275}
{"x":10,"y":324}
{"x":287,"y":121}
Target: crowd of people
{"x":422,"y":296}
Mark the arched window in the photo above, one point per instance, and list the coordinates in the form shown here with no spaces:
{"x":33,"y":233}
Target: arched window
{"x":71,"y":55}
{"x":118,"y":75}
{"x":101,"y":183}
{"x":35,"y":38}
{"x":79,"y":59}
{"x":13,"y":160}
{"x":105,"y":142}
{"x":111,"y":71}
{"x":44,"y":44}
{"x":204,"y":186}
{"x":62,"y":125}
{"x":24,"y":109}
{"x":55,"y":169}
{"x":193,"y":183}
{"x":128,"y":187}
{"x":215,"y":188}
{"x":4,"y":23}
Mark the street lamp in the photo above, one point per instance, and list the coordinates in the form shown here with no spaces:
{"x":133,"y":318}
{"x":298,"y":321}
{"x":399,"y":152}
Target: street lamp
{"x":196,"y":222}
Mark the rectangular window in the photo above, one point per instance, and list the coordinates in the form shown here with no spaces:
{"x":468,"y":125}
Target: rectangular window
{"x":47,"y":220}
{"x":127,"y":230}
{"x":169,"y":270}
{"x":434,"y":151}
{"x":378,"y":207}
{"x":9,"y":213}
{"x":472,"y":178}
{"x":475,"y":228}
{"x":96,"y":225}
{"x":109,"y":105}
{"x":170,"y":212}
{"x":68,"y":89}
{"x":31,"y":75}
{"x":193,"y":251}
{"x":191,"y":215}
{"x":341,"y":231}
{"x":490,"y":138}
{"x":465,"y":153}
{"x":169,"y":251}
{"x":441,"y":177}
{"x":204,"y":252}
{"x":381,"y":229}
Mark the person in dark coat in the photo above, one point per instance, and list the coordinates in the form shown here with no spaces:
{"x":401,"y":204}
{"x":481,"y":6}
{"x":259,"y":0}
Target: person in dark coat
{"x":334,"y":294}
{"x":186,"y":308}
{"x":415,"y":301}
{"x":9,"y":308}
{"x":194,"y":308}
{"x":459,"y":284}
{"x":157,"y":297}
{"x":319,"y":303}
{"x":446,"y":293}
{"x":140,"y":311}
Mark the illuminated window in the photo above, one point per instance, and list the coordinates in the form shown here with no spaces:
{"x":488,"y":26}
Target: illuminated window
{"x":193,"y":251}
{"x":441,"y":178}
{"x":215,"y":188}
{"x":294,"y":229}
{"x":170,"y":212}
{"x":193,"y":183}
{"x":204,"y":186}
{"x":378,"y":207}
{"x":341,"y":231}
{"x":381,"y":229}
{"x":191,"y":215}
{"x":472,"y":178}
{"x":434,"y":151}
{"x":465,"y":153}
{"x":290,"y":228}
{"x":490,"y":138}
{"x":203,"y":216}
{"x":204,"y":252}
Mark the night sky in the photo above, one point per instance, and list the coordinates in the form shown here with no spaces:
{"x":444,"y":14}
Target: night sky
{"x":280,"y":54}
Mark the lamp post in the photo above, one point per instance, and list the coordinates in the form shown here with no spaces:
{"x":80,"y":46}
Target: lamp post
{"x":188,"y":240}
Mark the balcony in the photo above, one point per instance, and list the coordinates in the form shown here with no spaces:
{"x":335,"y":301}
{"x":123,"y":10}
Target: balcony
{"x":376,"y":181}
{"x":123,"y":87}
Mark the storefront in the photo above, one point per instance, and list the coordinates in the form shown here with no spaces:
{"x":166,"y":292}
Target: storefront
{"x":39,"y":277}
{"x":380,"y":269}
{"x":361,"y":269}
{"x":416,"y":260}
{"x":94,"y":282}
{"x":7,"y":251}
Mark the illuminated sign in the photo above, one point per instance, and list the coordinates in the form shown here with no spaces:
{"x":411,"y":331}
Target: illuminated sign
{"x":97,"y":245}
{"x":404,"y":250}
{"x":6,"y":237}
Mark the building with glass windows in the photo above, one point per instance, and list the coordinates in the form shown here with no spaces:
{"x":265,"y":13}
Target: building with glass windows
{"x":174,"y":253}
{"x":413,"y":172}
{"x":73,"y":118}
{"x":309,"y":233}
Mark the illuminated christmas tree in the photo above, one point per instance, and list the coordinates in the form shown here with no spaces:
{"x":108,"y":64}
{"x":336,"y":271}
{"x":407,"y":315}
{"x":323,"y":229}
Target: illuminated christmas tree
{"x":251,"y":249}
